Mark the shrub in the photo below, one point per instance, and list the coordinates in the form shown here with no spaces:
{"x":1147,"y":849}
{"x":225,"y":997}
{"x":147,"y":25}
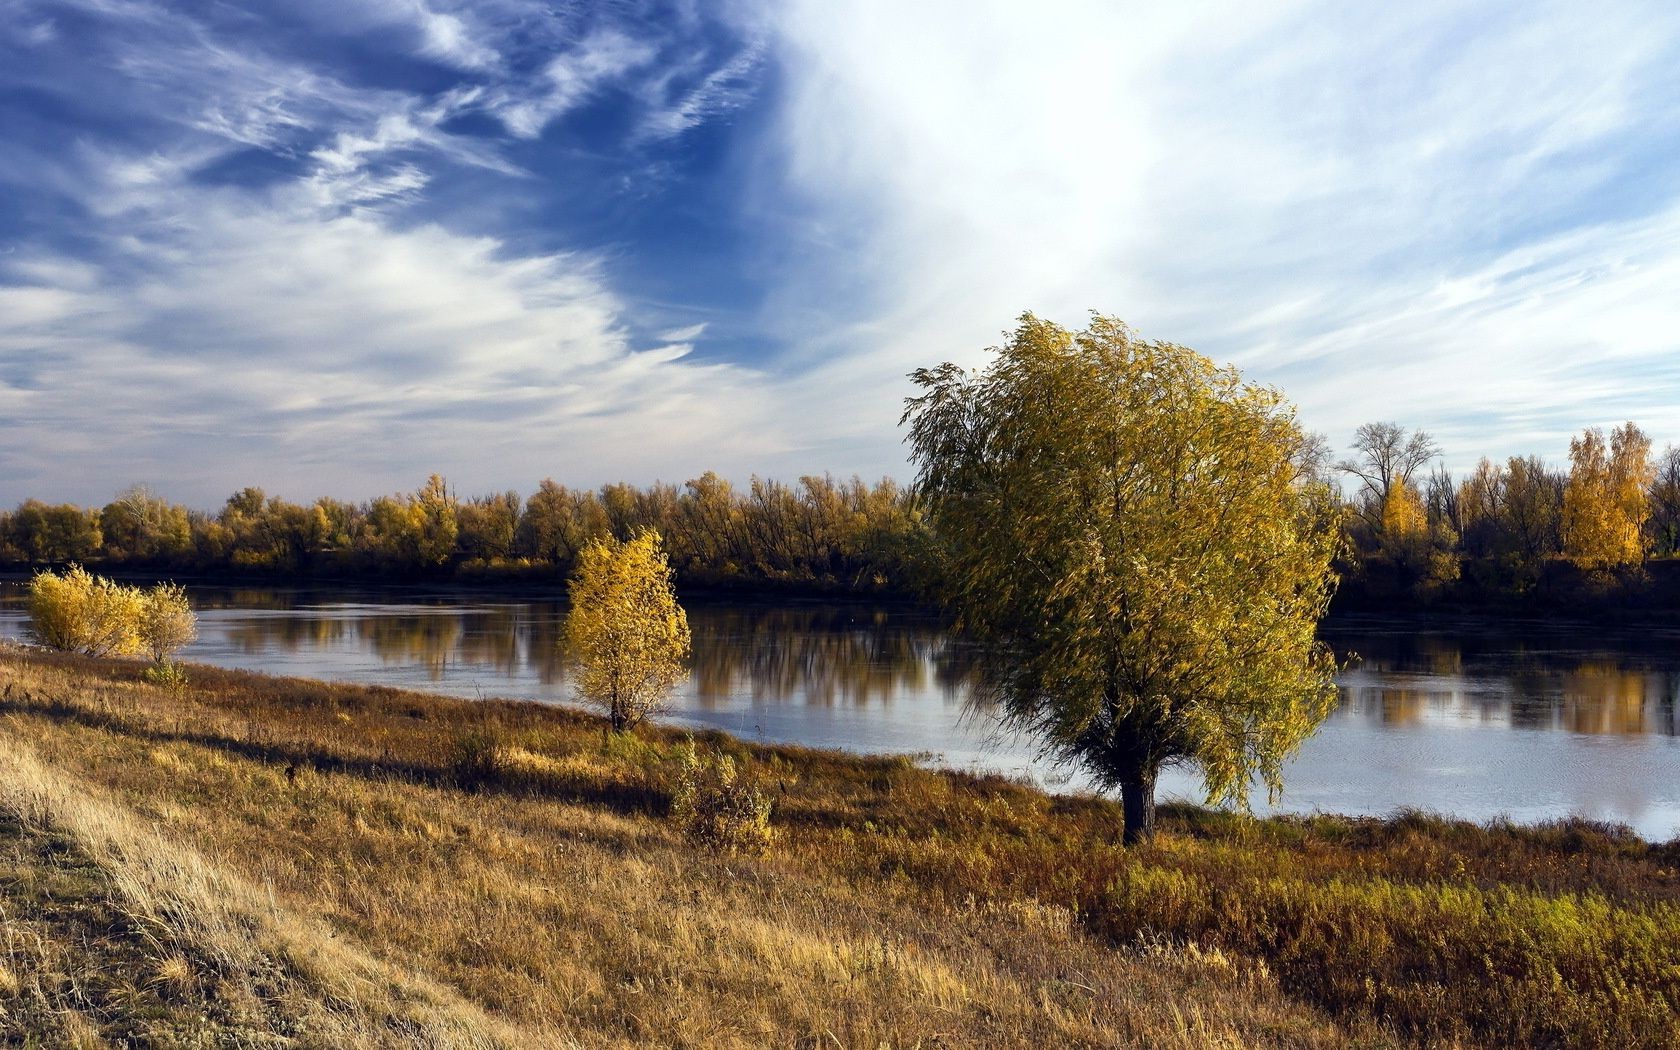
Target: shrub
{"x":166,"y":673}
{"x":83,"y":613}
{"x":718,"y":807}
{"x":478,"y":758}
{"x":167,"y":623}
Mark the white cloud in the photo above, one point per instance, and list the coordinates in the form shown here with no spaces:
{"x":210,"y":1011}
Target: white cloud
{"x":572,"y":78}
{"x":1402,"y":213}
{"x":235,"y":338}
{"x":672,"y":111}
{"x":687,"y":334}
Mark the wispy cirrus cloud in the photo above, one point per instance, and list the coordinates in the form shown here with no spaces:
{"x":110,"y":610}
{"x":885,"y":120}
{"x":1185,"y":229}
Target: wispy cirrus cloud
{"x":267,"y":291}
{"x":1430,"y":213}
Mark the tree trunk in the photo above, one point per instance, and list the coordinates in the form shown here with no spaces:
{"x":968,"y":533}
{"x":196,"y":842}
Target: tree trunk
{"x":1137,"y":797}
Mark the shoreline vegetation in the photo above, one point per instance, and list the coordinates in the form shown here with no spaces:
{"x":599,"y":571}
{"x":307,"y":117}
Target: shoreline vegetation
{"x":240,"y":857}
{"x":1599,"y":540}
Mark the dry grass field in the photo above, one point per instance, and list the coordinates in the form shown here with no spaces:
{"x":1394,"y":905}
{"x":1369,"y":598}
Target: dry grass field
{"x":253,"y":861}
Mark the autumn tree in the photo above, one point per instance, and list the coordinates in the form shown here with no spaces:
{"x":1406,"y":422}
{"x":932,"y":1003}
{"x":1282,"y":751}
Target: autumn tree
{"x":55,"y":533}
{"x":139,"y":525}
{"x":1481,"y":509}
{"x":1533,"y":511}
{"x":166,"y":622}
{"x":625,"y":632}
{"x":79,"y":612}
{"x":709,"y":518}
{"x":1605,"y":503}
{"x":1127,"y":539}
{"x":487,"y":526}
{"x":558,"y":522}
{"x":416,"y":530}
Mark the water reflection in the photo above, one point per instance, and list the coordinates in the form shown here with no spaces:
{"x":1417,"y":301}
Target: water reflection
{"x":821,"y":654}
{"x":815,"y":654}
{"x":1545,"y":678}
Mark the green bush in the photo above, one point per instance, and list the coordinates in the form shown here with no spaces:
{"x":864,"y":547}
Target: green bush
{"x":719,"y":807}
{"x":167,"y":674}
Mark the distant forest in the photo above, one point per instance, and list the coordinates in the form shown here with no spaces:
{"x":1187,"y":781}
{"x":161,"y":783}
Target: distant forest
{"x":1606,"y":528}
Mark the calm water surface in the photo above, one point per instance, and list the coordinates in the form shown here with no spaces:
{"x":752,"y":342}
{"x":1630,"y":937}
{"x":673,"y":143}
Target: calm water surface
{"x":1528,"y":721}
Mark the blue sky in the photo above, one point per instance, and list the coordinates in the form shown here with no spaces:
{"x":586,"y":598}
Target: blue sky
{"x":329,"y":248}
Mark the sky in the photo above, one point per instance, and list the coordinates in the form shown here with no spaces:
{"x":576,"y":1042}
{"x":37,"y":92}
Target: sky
{"x":329,"y":248}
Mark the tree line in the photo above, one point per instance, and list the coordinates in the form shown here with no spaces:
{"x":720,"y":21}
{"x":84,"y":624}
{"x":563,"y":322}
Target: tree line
{"x":817,"y":534}
{"x":1505,"y":528}
{"x":1412,"y":529}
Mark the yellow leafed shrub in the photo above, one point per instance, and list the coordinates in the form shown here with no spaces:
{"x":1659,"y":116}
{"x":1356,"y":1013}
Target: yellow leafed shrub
{"x":84,"y":613}
{"x":78,"y":611}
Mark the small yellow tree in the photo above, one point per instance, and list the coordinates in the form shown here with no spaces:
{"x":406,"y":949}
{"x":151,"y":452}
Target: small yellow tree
{"x":80,"y":612}
{"x":1604,"y":505}
{"x":626,"y":632}
{"x":167,"y":623}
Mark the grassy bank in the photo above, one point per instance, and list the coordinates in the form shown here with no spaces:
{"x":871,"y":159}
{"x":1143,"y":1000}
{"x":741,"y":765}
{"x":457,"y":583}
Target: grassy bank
{"x":262,"y":861}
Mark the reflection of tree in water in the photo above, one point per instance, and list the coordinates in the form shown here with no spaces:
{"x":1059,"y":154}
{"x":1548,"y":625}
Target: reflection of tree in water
{"x":858,"y":655}
{"x":1515,"y":682}
{"x":1396,"y":706}
{"x":427,"y":640}
{"x":1601,"y":696}
{"x":489,"y":638}
{"x":823,"y":654}
{"x":515,"y":639}
{"x":245,"y":599}
{"x":291,"y":633}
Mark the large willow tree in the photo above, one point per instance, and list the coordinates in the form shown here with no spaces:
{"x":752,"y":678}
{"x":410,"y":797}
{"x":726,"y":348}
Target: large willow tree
{"x":1127,"y":535}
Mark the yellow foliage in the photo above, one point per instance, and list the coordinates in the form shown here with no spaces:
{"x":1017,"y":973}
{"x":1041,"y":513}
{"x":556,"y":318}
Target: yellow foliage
{"x":81,"y":612}
{"x":1128,"y":538}
{"x":1605,"y":505}
{"x":84,"y":613}
{"x":167,"y":623}
{"x":625,"y":631}
{"x":1403,"y":515}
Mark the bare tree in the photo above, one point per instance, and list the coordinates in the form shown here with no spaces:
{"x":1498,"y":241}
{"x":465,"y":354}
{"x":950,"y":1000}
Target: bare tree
{"x":1664,"y":523}
{"x":1387,"y":456}
{"x":1446,"y":513}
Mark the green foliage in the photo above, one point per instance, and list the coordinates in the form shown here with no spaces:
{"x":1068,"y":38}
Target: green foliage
{"x":1128,"y":537}
{"x":166,"y":674}
{"x":718,"y":806}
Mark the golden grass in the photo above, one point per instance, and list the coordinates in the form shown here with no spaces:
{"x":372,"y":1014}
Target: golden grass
{"x":367,"y":865}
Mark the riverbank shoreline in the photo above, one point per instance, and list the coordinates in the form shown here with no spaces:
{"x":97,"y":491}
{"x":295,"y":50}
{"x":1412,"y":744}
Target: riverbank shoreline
{"x":1532,"y":721}
{"x":1568,"y":598}
{"x":523,"y":866}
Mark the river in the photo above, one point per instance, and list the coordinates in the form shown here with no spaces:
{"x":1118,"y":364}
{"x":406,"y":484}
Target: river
{"x":1530,"y":721}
